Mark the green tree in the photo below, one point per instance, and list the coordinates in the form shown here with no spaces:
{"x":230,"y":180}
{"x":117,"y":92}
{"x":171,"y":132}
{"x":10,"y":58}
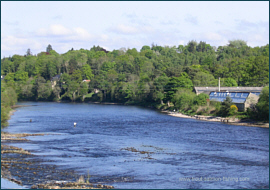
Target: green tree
{"x":145,"y":48}
{"x":263,"y":105}
{"x":204,"y":79}
{"x":225,"y":107}
{"x":158,"y":91}
{"x":87,"y":72}
{"x":176,"y":83}
{"x":49,"y":48}
{"x":192,"y":45}
{"x":21,"y":76}
{"x":73,"y":65}
{"x":183,"y":99}
{"x":42,"y":89}
{"x":230,"y":82}
{"x":237,"y":43}
{"x":201,"y":99}
{"x":28,"y":52}
{"x":77,"y":76}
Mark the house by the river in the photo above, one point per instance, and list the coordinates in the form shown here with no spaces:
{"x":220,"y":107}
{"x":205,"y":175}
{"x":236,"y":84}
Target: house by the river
{"x":242,"y":97}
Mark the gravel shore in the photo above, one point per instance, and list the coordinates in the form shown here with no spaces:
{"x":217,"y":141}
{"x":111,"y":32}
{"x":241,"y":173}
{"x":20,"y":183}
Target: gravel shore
{"x":232,"y":121}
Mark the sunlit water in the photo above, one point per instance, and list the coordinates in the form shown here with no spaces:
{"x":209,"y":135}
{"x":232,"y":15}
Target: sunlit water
{"x":181,"y":153}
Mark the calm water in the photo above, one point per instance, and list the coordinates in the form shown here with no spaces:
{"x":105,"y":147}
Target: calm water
{"x":182,"y":153}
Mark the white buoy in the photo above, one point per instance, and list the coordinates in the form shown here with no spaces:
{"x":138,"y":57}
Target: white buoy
{"x":75,"y":124}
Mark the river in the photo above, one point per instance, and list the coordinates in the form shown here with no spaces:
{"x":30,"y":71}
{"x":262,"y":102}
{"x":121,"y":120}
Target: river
{"x":142,"y":148}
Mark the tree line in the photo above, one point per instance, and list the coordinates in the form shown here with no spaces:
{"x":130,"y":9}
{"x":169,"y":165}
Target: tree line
{"x":158,"y":75}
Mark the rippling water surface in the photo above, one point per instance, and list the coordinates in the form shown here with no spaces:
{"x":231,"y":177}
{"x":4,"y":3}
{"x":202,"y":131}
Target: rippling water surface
{"x":141,"y":148}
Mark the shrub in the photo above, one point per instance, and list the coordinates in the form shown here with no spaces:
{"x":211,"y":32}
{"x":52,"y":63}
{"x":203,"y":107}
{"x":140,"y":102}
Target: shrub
{"x":225,"y":107}
{"x":201,"y":99}
{"x":183,"y":99}
{"x":263,"y":105}
{"x":233,"y":110}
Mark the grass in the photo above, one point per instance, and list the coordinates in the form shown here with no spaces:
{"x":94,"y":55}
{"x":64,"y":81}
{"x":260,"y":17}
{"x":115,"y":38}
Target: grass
{"x":89,"y":95}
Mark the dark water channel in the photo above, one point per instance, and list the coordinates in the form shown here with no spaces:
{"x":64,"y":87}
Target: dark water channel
{"x":142,"y":148}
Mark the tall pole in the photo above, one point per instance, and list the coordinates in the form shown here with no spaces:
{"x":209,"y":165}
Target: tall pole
{"x":219,"y":84}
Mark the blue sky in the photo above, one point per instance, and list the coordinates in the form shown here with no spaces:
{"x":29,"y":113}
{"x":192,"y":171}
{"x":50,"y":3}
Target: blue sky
{"x":116,"y":24}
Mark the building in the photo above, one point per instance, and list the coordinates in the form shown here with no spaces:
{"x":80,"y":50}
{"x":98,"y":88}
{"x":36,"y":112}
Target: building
{"x":54,"y":80}
{"x":207,"y":90}
{"x":242,"y":100}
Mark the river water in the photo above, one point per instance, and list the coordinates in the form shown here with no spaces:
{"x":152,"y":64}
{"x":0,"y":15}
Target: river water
{"x":142,"y":148}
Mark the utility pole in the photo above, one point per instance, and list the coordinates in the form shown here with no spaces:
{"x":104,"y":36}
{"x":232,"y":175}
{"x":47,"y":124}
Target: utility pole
{"x":219,"y":84}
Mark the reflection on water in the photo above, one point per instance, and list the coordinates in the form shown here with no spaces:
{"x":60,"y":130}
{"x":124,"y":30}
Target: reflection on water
{"x":142,"y":148}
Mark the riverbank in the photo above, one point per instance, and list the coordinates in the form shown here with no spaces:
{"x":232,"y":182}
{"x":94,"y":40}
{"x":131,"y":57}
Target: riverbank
{"x":27,"y":170}
{"x":227,"y":120}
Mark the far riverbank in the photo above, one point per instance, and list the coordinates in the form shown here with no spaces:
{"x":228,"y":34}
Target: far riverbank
{"x":227,"y":120}
{"x":232,"y":121}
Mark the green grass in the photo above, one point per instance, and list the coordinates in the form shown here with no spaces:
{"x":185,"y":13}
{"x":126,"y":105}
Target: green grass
{"x":89,"y":95}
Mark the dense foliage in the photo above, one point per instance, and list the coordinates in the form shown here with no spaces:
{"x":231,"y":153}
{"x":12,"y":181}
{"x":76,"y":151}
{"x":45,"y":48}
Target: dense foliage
{"x":154,"y":75}
{"x":8,"y":99}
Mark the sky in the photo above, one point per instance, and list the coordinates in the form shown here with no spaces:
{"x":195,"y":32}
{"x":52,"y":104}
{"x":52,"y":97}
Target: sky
{"x":129,"y":24}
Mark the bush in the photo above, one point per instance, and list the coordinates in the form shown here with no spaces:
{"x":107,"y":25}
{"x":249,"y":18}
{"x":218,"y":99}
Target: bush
{"x":4,"y":116}
{"x":183,"y":99}
{"x":262,"y":106}
{"x":201,"y":99}
{"x":225,"y":107}
{"x":233,"y":110}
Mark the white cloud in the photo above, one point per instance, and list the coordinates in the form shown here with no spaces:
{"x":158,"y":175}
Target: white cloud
{"x":247,"y":25}
{"x":191,"y":19}
{"x":14,"y":43}
{"x":57,"y":17}
{"x":80,"y":34}
{"x":55,"y":30}
{"x":13,"y":23}
{"x":181,"y":42}
{"x":167,"y":22}
{"x":212,"y":36}
{"x":11,"y":45}
{"x":127,"y":29}
{"x":124,"y":29}
{"x":64,"y":34}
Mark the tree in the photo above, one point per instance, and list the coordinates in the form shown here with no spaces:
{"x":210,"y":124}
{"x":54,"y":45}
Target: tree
{"x":237,"y":43}
{"x":183,"y":99}
{"x":8,"y":98}
{"x":201,"y":47}
{"x":42,"y":89}
{"x":21,"y":76}
{"x":176,"y":83}
{"x":73,"y":64}
{"x":230,"y":82}
{"x":225,"y":107}
{"x":27,"y":92}
{"x":192,"y":46}
{"x":49,"y":48}
{"x":159,"y":84}
{"x":157,"y":48}
{"x":87,"y":72}
{"x":201,"y":99}
{"x":145,"y":48}
{"x":28,"y":52}
{"x":204,"y":79}
{"x":263,"y":105}
{"x":77,"y":76}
